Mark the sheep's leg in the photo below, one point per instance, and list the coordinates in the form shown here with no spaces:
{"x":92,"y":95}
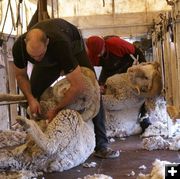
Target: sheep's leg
{"x":59,"y":131}
{"x":34,"y":131}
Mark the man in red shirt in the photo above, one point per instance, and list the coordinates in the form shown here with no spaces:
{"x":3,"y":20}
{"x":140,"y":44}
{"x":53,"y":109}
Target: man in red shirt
{"x":114,"y":54}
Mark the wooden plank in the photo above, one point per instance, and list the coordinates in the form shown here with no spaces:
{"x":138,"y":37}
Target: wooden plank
{"x":12,"y":88}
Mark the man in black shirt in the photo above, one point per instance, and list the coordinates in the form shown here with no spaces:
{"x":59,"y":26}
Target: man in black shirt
{"x":56,"y":48}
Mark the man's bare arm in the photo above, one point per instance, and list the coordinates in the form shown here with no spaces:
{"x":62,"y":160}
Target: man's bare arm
{"x":24,"y":85}
{"x":77,"y":85}
{"x":23,"y":82}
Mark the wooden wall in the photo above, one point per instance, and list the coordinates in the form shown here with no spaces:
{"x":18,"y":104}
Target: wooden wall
{"x":166,"y":45}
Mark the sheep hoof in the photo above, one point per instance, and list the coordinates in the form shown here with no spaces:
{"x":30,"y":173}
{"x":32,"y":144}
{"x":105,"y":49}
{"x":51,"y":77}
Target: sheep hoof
{"x":23,"y":122}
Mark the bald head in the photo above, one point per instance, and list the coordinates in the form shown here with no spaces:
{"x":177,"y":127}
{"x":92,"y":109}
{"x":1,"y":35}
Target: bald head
{"x":36,"y":43}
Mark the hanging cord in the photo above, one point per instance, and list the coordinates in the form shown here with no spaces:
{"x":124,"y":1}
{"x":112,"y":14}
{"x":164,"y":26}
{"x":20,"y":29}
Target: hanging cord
{"x":26,"y":13}
{"x":57,"y":7}
{"x":12,"y":16}
{"x":1,"y":40}
{"x":13,"y":23}
{"x":104,"y":3}
{"x":171,"y":3}
{"x":18,"y":15}
{"x":18,"y":22}
{"x":1,"y":10}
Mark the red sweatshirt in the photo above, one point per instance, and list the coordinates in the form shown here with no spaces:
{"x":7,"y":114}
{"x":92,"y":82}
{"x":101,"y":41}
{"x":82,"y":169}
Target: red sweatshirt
{"x":119,"y":47}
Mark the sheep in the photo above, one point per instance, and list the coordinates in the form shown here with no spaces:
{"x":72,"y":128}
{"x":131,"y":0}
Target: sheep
{"x":87,"y":103}
{"x":67,"y":141}
{"x":125,"y":93}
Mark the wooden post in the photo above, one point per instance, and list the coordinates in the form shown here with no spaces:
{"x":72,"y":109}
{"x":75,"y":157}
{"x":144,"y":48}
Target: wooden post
{"x":177,"y":46}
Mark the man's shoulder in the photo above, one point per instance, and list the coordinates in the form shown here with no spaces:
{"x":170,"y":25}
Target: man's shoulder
{"x":51,"y":22}
{"x":20,"y":39}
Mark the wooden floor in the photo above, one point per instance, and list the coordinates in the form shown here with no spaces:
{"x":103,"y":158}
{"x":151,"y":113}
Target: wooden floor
{"x":131,"y":157}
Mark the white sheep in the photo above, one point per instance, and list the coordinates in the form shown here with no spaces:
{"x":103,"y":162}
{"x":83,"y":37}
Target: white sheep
{"x":67,"y":141}
{"x":125,"y":94}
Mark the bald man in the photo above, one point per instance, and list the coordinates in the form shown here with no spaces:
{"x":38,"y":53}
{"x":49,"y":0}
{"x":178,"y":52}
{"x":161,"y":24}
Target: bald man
{"x":56,"y":48}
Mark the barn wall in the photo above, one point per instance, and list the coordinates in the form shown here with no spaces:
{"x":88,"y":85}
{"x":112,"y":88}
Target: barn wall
{"x":4,"y":109}
{"x":121,"y":17}
{"x":8,"y":111}
{"x":126,"y":24}
{"x":177,"y":46}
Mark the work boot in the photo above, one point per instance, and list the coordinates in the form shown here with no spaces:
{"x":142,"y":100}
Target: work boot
{"x":144,"y":123}
{"x":107,"y":153}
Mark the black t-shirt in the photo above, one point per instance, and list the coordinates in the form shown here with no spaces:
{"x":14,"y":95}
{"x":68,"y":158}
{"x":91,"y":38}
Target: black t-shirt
{"x":112,"y":64}
{"x":65,"y":43}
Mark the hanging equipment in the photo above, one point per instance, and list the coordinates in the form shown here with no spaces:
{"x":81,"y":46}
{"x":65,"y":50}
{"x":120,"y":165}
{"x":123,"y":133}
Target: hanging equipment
{"x":1,"y":40}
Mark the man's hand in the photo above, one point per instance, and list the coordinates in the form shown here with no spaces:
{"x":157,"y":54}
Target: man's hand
{"x":76,"y":81}
{"x":24,"y":85}
{"x":34,"y":106}
{"x":102,"y":89}
{"x":51,"y":114}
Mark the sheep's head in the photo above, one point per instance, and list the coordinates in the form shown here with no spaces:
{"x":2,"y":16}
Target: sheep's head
{"x":145,"y":79}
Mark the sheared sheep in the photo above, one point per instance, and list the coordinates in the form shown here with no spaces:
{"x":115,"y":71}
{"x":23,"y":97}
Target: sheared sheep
{"x":87,"y":103}
{"x":125,"y":94}
{"x":67,"y":141}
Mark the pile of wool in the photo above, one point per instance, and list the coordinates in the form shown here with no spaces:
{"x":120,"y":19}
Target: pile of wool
{"x":158,"y":170}
{"x":97,"y":176}
{"x":21,"y":174}
{"x":163,"y":133}
{"x":154,"y":143}
{"x":158,"y":143}
{"x":10,"y":138}
{"x":158,"y":116}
